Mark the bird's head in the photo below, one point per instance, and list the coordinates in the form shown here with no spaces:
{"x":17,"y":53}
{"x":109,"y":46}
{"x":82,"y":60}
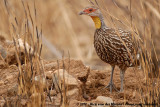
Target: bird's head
{"x":95,"y":14}
{"x":90,"y":11}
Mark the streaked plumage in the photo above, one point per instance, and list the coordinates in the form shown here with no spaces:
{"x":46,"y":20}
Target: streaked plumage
{"x":110,"y":48}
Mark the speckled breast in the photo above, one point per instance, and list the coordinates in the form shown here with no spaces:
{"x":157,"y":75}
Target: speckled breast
{"x":110,"y":49}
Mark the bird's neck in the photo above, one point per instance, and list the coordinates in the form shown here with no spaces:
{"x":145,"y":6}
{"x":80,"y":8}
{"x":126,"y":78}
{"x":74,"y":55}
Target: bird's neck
{"x":98,"y":21}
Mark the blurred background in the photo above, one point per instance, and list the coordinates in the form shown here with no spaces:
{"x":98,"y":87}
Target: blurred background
{"x":64,"y":31}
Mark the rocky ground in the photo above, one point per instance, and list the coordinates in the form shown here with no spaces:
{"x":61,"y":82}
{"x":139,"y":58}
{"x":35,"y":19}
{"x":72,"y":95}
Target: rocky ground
{"x":84,"y":86}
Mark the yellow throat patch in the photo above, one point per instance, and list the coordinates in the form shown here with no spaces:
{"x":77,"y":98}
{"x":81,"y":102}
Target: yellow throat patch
{"x":97,"y":21}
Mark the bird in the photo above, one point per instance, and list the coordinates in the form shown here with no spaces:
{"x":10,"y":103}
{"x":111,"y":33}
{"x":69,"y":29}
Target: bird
{"x":116,"y":47}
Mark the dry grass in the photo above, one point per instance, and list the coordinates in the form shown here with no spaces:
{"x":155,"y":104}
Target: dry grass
{"x":69,"y":32}
{"x":64,"y":30}
{"x":31,"y":80}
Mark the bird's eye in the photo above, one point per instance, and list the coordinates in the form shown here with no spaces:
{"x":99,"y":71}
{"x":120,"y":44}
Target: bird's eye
{"x":90,"y":10}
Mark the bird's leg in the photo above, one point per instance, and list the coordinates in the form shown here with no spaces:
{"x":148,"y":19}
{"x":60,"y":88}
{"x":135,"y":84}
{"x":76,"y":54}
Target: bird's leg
{"x":122,"y":78}
{"x":110,"y":85}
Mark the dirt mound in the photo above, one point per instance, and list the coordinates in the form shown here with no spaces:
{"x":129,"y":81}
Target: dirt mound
{"x":89,"y":85}
{"x":95,"y":82}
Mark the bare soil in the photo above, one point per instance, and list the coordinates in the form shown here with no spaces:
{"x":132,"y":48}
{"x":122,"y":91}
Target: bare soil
{"x":97,"y":79}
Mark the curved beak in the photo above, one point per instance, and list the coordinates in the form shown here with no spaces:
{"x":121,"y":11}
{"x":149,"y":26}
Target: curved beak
{"x":81,"y":13}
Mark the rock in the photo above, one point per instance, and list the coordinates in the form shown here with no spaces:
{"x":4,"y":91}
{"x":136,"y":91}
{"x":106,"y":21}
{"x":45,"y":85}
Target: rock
{"x":69,"y":79}
{"x":62,"y":81}
{"x":73,"y":94}
{"x":104,"y":100}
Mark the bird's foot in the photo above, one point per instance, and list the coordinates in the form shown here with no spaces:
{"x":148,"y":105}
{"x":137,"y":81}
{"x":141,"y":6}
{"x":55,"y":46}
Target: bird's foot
{"x":121,"y":90}
{"x":111,"y":85}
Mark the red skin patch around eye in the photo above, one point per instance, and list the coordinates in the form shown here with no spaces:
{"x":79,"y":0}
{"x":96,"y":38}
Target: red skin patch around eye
{"x":88,"y":10}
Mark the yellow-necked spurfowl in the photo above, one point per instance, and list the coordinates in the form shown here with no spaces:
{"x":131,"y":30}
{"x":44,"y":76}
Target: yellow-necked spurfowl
{"x":115,"y":47}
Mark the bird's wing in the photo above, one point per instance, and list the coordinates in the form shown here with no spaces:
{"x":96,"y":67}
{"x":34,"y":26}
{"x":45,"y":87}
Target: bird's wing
{"x":121,"y":44}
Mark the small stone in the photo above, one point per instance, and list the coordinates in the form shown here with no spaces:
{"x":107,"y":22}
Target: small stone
{"x":62,"y":79}
{"x":69,"y":79}
{"x":103,"y":99}
{"x":73,"y":93}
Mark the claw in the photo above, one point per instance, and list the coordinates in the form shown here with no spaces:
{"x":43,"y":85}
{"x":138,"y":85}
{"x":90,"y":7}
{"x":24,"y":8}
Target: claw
{"x":111,"y":85}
